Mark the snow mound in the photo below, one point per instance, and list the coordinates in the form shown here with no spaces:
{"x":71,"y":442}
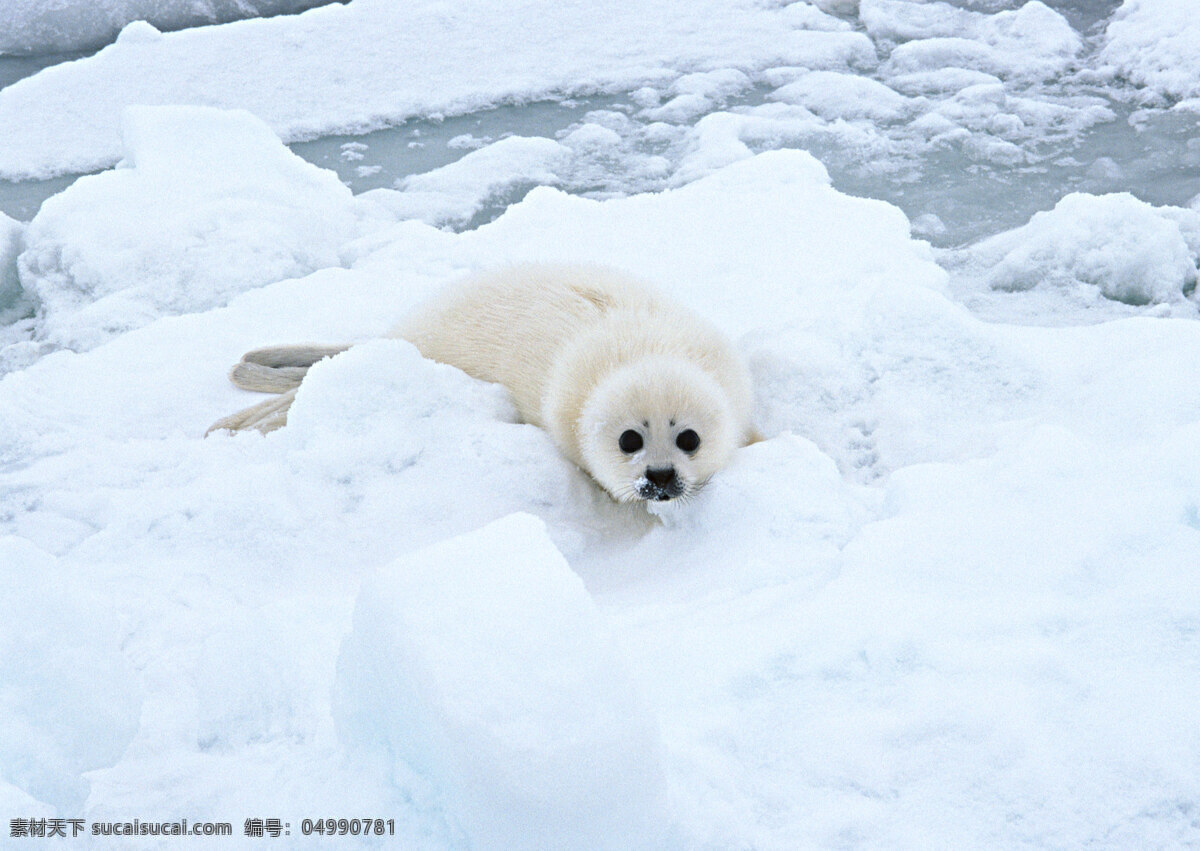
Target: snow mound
{"x":832,"y":95}
{"x":847,"y":241}
{"x":902,"y":20}
{"x":410,"y":437}
{"x":69,"y":700}
{"x":1033,"y":42}
{"x":35,"y":26}
{"x":1152,"y":43}
{"x":696,"y":94}
{"x":209,"y":203}
{"x":482,"y":663}
{"x":819,"y":510}
{"x":331,"y":401}
{"x":1131,"y":251}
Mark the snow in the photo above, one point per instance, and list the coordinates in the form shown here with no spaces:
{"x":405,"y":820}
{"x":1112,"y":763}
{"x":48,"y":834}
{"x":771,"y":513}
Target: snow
{"x":1033,"y":42}
{"x":959,"y":569}
{"x":35,"y":26}
{"x":697,"y":94}
{"x":483,"y":664}
{"x":1126,"y":249}
{"x":208,"y":204}
{"x":951,"y":600}
{"x":1152,"y":43}
{"x":454,"y":193}
{"x":901,"y":20}
{"x":833,"y":95}
{"x":70,"y":701}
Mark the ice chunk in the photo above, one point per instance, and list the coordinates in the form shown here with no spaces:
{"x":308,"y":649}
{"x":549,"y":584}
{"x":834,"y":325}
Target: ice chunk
{"x":697,"y":94}
{"x":832,"y":95}
{"x":1039,"y":41}
{"x":69,"y":701}
{"x":901,"y":20}
{"x":941,"y":81}
{"x":1030,"y":43}
{"x":454,"y":193}
{"x":715,"y":143}
{"x":1131,"y":251}
{"x":1153,"y":43}
{"x":837,"y":7}
{"x":483,"y":664}
{"x":931,"y":54}
{"x":209,"y":204}
{"x":717,"y":85}
{"x":928,"y":225}
{"x":825,"y":50}
{"x":592,"y":137}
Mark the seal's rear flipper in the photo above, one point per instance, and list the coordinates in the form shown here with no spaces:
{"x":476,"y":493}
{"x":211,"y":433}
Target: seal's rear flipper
{"x":277,"y":369}
{"x":265,"y":416}
{"x":303,"y":355}
{"x":274,"y":369}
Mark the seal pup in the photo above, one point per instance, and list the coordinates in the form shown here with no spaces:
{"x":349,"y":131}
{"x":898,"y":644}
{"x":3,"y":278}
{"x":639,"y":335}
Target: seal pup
{"x":641,"y":393}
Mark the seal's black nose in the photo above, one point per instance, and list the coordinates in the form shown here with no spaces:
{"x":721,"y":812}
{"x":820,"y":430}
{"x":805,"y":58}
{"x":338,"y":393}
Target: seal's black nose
{"x":663,"y":476}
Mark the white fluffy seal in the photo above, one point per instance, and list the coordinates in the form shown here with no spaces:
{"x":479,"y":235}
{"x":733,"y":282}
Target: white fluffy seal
{"x":641,"y":393}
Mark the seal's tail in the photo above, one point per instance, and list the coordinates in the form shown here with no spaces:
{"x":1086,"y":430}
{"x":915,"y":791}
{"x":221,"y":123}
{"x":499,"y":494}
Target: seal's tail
{"x":275,"y":369}
{"x":265,"y":416}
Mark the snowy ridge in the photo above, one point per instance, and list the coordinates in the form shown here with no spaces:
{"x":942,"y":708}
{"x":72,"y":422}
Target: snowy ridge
{"x":951,"y":600}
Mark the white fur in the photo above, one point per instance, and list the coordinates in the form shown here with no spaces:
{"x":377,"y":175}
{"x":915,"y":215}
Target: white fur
{"x":587,"y":354}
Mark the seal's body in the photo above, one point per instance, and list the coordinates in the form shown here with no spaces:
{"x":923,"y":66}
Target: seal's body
{"x":641,"y":393}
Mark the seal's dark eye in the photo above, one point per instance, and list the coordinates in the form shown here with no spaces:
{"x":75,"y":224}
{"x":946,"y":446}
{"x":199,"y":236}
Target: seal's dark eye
{"x":629,"y":441}
{"x":688,"y":440}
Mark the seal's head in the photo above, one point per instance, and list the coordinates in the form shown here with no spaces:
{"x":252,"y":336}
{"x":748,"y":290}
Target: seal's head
{"x":656,"y":430}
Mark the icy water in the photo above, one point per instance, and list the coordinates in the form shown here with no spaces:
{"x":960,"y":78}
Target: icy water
{"x":1156,"y":157}
{"x":13,"y":68}
{"x":953,"y":193}
{"x":377,"y":160}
